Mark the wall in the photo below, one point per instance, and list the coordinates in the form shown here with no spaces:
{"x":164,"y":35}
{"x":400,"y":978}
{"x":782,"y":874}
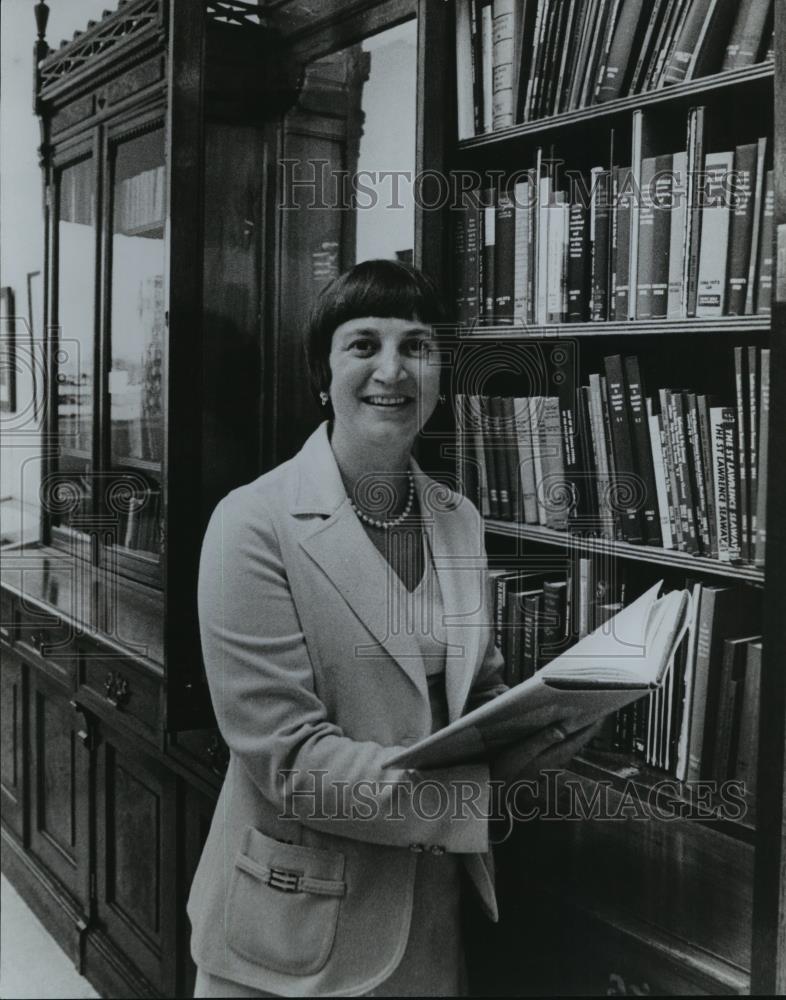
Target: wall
{"x":22,"y":244}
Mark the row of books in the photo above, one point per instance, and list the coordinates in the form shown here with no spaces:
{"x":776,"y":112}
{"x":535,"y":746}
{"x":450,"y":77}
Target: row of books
{"x":701,"y":723}
{"x":139,"y":521}
{"x":139,"y":201}
{"x":676,"y":236}
{"x":520,"y":60}
{"x":680,"y":470}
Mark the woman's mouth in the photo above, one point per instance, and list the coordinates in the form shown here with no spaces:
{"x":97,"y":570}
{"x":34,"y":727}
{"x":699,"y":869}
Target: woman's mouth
{"x":389,"y":402}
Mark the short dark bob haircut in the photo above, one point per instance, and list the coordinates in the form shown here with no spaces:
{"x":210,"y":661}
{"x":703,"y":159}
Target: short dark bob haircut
{"x":384,"y":288}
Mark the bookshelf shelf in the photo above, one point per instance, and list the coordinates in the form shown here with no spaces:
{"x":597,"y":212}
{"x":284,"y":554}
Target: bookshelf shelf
{"x":142,"y":464}
{"x":693,"y":90}
{"x":735,"y":325}
{"x":625,"y":550}
{"x":621,"y":770}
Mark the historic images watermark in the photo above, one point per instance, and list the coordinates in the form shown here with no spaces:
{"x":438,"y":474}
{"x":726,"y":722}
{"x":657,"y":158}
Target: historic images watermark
{"x":554,"y":795}
{"x":316,"y":184}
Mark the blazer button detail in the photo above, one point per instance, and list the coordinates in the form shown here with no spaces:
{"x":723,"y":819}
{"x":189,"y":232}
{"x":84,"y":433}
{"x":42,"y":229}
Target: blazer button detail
{"x":416,"y":848}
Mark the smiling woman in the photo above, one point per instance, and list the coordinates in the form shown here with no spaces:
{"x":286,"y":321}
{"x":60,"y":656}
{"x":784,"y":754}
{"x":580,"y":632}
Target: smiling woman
{"x":336,"y":626}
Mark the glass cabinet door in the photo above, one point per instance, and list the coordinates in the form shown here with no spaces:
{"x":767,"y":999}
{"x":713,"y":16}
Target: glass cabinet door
{"x":134,"y":349}
{"x":68,"y":501}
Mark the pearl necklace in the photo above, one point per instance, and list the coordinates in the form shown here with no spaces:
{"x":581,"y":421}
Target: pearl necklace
{"x":393,"y":521}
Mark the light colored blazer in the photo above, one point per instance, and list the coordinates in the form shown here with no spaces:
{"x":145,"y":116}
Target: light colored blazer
{"x":306,"y":880}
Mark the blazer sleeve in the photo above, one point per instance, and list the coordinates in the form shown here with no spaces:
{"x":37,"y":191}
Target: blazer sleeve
{"x":262,"y":686}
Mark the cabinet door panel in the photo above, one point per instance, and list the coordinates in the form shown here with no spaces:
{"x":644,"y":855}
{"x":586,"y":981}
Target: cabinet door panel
{"x":197,"y":815}
{"x":59,"y":787}
{"x":12,"y":741}
{"x":135,"y":830}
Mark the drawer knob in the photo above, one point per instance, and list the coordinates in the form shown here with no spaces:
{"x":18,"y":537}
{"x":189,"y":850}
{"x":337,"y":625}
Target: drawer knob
{"x":117,"y":689}
{"x":617,"y":987}
{"x":218,"y":754}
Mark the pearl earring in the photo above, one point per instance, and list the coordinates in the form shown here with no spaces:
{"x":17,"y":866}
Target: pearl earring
{"x":323,"y":398}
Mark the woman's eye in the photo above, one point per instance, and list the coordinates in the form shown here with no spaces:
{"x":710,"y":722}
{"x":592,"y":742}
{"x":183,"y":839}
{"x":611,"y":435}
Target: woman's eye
{"x":419,"y":348}
{"x":361,"y":346}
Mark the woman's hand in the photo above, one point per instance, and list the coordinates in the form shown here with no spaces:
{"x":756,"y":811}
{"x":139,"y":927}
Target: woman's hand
{"x":549,"y":748}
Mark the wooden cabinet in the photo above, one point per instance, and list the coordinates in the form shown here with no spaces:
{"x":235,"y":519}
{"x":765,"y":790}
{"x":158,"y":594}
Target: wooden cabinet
{"x":13,"y":740}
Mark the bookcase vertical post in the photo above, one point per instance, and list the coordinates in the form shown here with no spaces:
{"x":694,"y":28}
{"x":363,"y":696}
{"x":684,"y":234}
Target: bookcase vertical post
{"x":768,"y":975}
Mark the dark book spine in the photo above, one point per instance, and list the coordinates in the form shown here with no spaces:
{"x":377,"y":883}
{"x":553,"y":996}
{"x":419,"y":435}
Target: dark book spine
{"x":754,"y":380}
{"x":763,"y":455}
{"x":513,"y":624}
{"x":491,"y":455}
{"x":697,"y":471}
{"x":642,"y":452}
{"x":745,"y":41}
{"x":616,"y":74}
{"x":599,"y":229}
{"x":588,"y":496}
{"x":553,"y":58}
{"x":554,"y":632}
{"x":578,"y":255}
{"x":766,"y":250}
{"x":622,"y":280}
{"x":646,"y":265}
{"x":695,"y":184}
{"x":477,"y":65}
{"x":532,"y":615}
{"x":741,"y":228}
{"x":460,"y":267}
{"x":489,"y":259}
{"x":509,"y":455}
{"x":676,"y":69}
{"x":504,"y":260}
{"x":684,"y":475}
{"x":661,"y":236}
{"x":705,"y":438}
{"x":709,"y":52}
{"x":499,"y":448}
{"x":611,"y":292}
{"x":622,"y":446}
{"x":731,"y":457}
{"x":741,"y":376}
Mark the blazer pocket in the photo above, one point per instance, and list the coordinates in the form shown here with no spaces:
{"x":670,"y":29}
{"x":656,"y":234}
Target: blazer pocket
{"x":283,"y":903}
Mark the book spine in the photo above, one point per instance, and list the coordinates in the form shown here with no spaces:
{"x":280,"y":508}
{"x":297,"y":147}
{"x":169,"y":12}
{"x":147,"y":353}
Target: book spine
{"x":601,"y":464}
{"x":532,"y":614}
{"x":553,"y":487}
{"x":527,"y":484}
{"x":766,"y":250}
{"x":635,"y":208}
{"x":763,"y":438}
{"x":521,"y":256}
{"x":599,"y":235}
{"x":472,"y":283}
{"x":731,"y":458}
{"x":622,"y":268}
{"x":487,"y":57}
{"x":741,"y":228}
{"x":694,"y":207}
{"x":661,"y":478}
{"x":508,"y":442}
{"x":611,"y":291}
{"x":499,"y":448}
{"x":650,"y":518}
{"x":489,"y":439}
{"x":714,"y":236}
{"x":615,"y":75}
{"x":622,"y":444}
{"x":758,"y":204}
{"x":684,"y":476}
{"x":698,"y":477}
{"x":535,"y":418}
{"x":465,"y":72}
{"x":489,"y":259}
{"x":741,"y":376}
{"x":720,"y":483}
{"x":671,"y":41}
{"x":675,"y":303}
{"x":476,"y":420}
{"x":646,"y":240}
{"x":554,"y":628}
{"x":672,"y":465}
{"x":504,"y":260}
{"x":578,"y":244}
{"x":705,"y":440}
{"x":745,"y":764}
{"x":661,"y":236}
{"x":503,"y":18}
{"x":746,"y":37}
{"x":555,"y":254}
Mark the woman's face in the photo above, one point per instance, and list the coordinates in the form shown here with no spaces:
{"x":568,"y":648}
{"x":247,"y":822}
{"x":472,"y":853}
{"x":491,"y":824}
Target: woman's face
{"x":384,"y":377}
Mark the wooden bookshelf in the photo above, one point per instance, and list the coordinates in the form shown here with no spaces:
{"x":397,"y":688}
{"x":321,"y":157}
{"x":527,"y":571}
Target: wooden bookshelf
{"x":625,"y":550}
{"x":580,"y":867}
{"x":692,"y":91}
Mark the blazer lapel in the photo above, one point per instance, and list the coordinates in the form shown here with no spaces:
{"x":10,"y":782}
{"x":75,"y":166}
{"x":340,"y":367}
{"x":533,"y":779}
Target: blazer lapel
{"x":341,"y":548}
{"x":457,"y":571}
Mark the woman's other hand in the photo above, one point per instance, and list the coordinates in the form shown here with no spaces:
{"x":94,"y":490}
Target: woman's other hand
{"x":549,"y":748}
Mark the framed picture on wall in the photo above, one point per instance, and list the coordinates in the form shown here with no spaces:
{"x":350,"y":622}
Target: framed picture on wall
{"x":7,"y":350}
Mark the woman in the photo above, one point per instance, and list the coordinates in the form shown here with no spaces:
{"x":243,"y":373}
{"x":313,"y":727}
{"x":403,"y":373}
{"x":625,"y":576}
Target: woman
{"x":342,"y":609}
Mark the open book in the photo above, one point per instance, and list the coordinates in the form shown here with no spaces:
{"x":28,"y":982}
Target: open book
{"x":619,"y":662}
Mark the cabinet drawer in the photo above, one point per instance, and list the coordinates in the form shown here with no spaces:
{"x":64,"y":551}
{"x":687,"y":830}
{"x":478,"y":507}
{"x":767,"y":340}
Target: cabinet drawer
{"x":48,"y":643}
{"x":120,"y":691}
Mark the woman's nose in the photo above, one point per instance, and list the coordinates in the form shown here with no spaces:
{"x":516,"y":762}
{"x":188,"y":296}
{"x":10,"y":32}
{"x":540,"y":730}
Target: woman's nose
{"x":389,"y":367}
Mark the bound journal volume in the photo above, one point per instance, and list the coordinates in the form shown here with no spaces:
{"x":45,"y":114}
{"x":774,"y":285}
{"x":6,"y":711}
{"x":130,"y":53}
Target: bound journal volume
{"x":618,"y":663}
